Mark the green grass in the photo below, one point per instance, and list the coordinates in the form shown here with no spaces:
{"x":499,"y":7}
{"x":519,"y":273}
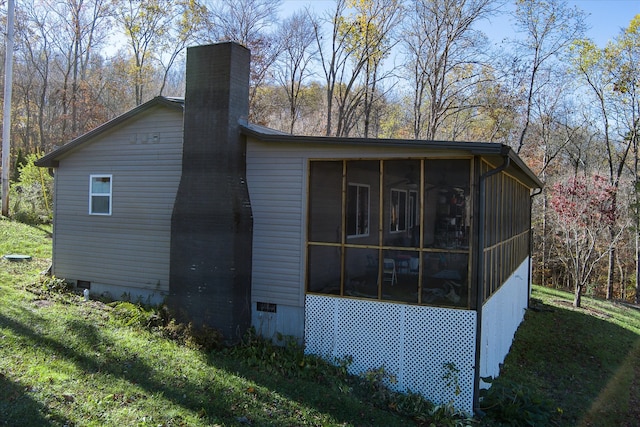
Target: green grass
{"x":570,"y":356}
{"x":68,"y":362}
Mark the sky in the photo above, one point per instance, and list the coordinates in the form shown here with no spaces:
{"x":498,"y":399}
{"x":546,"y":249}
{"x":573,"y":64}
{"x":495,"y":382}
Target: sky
{"x":604,"y":17}
{"x":607,"y":17}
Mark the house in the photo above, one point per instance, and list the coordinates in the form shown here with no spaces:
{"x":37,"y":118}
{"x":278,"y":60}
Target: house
{"x":409,"y":255}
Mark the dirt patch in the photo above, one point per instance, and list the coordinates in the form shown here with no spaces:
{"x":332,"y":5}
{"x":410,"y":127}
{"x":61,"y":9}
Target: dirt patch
{"x":41,"y":303}
{"x":593,"y":311}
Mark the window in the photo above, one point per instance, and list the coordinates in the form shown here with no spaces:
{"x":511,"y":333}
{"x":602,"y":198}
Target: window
{"x":357,"y":210}
{"x":414,"y":214}
{"x":100,"y":195}
{"x":398,"y":213}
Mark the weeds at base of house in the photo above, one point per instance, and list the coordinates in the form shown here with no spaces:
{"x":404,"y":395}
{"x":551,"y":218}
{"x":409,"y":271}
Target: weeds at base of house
{"x":508,"y":403}
{"x":283,"y":356}
{"x":287,"y":358}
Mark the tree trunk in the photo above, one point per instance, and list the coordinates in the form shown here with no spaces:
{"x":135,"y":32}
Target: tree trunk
{"x":612,"y":236}
{"x":637,"y":220}
{"x":577,"y":297}
{"x":612,"y":266}
{"x":637,"y":297}
{"x":329,"y":110}
{"x":622,"y":272}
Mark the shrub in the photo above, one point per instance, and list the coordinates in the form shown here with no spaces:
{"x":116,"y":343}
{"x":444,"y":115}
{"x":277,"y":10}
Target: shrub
{"x":51,"y":287}
{"x":31,"y":194}
{"x":159,"y":319}
{"x":125,"y":313}
{"x":54,"y":285}
{"x":203,"y":337}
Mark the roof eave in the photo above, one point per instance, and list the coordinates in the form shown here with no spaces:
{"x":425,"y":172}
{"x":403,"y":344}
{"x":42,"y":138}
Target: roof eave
{"x":475,"y":148}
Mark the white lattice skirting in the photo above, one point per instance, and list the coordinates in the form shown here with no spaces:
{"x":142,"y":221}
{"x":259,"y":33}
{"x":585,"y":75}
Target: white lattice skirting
{"x":412,"y":343}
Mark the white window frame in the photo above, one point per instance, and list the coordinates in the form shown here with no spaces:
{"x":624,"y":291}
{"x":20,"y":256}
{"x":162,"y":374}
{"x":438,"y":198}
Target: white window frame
{"x":397,"y":227}
{"x":92,"y":194}
{"x":413,"y":211}
{"x":357,"y":218}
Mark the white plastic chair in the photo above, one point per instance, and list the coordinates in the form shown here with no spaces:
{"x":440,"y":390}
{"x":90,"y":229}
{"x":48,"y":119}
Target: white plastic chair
{"x":389,"y":271}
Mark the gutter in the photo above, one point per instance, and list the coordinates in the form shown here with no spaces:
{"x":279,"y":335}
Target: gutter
{"x":529,"y":278}
{"x":480,"y":272}
{"x":269,"y":135}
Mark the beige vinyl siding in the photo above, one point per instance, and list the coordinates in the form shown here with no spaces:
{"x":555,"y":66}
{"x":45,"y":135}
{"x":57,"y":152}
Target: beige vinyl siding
{"x":130,"y":247}
{"x":276,"y":188}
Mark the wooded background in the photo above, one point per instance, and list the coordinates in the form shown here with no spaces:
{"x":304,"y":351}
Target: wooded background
{"x":418,"y":69}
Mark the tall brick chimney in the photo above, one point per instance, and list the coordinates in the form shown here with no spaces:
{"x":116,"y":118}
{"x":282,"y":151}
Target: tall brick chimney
{"x":211,"y":226}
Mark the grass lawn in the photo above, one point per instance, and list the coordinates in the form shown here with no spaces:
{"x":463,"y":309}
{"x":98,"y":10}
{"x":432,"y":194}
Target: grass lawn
{"x":584,"y":360}
{"x":64,"y":361}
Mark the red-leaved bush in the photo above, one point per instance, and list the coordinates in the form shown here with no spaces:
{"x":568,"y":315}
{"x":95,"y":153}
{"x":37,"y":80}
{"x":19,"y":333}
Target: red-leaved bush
{"x":584,"y":201}
{"x":585,"y":209}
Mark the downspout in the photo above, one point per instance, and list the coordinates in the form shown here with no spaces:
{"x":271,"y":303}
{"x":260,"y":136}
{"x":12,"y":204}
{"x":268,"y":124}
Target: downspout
{"x":480,"y":271}
{"x":534,"y":194}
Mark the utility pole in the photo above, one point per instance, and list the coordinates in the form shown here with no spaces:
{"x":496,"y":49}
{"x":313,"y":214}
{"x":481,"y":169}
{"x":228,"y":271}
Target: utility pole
{"x":6,"y":119}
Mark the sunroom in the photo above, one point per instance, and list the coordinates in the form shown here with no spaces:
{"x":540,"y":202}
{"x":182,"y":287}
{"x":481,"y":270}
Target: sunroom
{"x":403,"y":258}
{"x":403,"y":230}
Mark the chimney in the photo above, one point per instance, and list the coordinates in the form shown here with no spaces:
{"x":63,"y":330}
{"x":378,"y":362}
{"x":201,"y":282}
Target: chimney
{"x":211,"y":225}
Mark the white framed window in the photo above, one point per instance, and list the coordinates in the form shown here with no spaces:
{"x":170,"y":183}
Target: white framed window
{"x":100,"y":187}
{"x":398,"y":214}
{"x":357,"y":210}
{"x":414,"y":213}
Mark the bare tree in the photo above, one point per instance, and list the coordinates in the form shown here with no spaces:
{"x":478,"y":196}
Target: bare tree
{"x":187,"y":28}
{"x":157,"y":32}
{"x":352,"y":56}
{"x":83,"y":25}
{"x":622,"y":59}
{"x":375,"y":22}
{"x":251,"y":23}
{"x":293,"y":65}
{"x":33,"y":78}
{"x":333,"y":58}
{"x":549,"y":27}
{"x":57,"y":44}
{"x":443,"y":51}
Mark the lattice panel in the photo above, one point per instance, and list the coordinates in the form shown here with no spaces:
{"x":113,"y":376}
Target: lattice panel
{"x":370,"y":330}
{"x":435,"y":337}
{"x":412,"y":343}
{"x":319,"y":332}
